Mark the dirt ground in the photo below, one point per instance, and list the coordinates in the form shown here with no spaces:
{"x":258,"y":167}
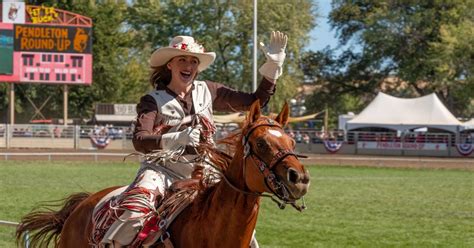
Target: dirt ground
{"x":313,"y":159}
{"x":390,"y":161}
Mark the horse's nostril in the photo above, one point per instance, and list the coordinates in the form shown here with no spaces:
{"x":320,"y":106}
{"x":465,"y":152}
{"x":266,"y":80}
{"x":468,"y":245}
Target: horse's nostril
{"x":293,"y":176}
{"x":305,"y":178}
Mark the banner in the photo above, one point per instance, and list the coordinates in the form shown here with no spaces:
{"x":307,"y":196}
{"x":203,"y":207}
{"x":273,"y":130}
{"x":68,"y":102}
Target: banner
{"x":6,"y":52}
{"x":56,"y":39}
{"x":13,"y":12}
{"x":100,"y":142}
{"x":402,"y":146}
{"x":465,"y":149}
{"x":333,"y":146}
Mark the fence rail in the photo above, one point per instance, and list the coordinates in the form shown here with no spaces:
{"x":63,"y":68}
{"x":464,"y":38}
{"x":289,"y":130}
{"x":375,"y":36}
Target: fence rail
{"x":8,"y":223}
{"x":15,"y":224}
{"x":52,"y":156}
{"x":80,"y":138}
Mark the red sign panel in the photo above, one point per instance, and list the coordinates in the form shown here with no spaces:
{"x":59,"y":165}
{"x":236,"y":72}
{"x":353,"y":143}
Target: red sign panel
{"x":49,"y":46}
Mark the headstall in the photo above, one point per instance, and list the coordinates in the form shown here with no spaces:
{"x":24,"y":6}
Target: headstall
{"x":271,"y":180}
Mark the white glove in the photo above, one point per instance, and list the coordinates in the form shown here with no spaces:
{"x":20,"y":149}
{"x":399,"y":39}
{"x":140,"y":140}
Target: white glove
{"x":189,"y":136}
{"x":275,"y":54}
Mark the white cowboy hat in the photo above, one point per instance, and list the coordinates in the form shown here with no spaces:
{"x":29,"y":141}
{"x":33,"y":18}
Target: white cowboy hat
{"x":182,"y":45}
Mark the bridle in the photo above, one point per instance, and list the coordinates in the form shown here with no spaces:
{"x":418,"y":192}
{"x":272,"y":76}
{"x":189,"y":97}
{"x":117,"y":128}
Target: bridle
{"x":272,"y":182}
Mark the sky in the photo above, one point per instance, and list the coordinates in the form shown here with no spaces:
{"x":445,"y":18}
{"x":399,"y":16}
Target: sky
{"x":322,"y":35}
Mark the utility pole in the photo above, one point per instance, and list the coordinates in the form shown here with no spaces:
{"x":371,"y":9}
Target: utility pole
{"x":255,"y":45}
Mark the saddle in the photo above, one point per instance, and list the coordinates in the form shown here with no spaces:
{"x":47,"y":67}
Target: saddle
{"x":177,"y":197}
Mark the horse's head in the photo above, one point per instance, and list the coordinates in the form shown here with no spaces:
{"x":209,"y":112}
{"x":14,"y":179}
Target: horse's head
{"x":270,"y":164}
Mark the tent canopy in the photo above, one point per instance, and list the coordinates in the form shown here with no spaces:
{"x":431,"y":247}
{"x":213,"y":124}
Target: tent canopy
{"x":403,"y":114}
{"x":469,"y":125}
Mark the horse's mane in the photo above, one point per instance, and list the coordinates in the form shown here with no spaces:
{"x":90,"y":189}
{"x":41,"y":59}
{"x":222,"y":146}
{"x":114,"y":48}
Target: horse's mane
{"x":219,"y":157}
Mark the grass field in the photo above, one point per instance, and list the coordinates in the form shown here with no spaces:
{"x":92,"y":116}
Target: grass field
{"x":347,"y":206}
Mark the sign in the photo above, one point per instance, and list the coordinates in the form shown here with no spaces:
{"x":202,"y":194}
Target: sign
{"x":125,"y":109}
{"x":402,"y":146}
{"x":6,"y":52}
{"x":40,"y":44}
{"x":13,"y":12}
{"x":42,"y":14}
{"x":44,"y":38}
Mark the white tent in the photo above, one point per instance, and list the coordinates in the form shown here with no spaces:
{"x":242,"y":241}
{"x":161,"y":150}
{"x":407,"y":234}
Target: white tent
{"x":403,"y":114}
{"x":469,"y":124}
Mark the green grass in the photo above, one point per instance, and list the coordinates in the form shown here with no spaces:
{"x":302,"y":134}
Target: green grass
{"x":347,"y":206}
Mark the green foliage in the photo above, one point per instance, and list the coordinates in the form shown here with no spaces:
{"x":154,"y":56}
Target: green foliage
{"x":225,"y":27}
{"x":407,"y":49}
{"x":126,"y":32}
{"x":4,"y":102}
{"x":118,"y":74}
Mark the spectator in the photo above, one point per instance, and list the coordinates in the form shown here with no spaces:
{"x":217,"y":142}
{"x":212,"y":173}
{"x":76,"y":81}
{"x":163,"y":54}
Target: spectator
{"x":298,"y":137}
{"x":57,"y":132}
{"x":306,"y":138}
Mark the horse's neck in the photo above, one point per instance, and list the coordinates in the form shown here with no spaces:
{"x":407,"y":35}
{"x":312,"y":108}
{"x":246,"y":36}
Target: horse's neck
{"x":222,"y":217}
{"x":235,"y":175}
{"x":240,"y":210}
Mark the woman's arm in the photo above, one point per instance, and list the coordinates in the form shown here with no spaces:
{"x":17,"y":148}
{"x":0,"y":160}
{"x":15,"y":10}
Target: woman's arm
{"x":145,"y":138}
{"x":227,"y":99}
{"x":149,"y":135}
{"x":231,"y":100}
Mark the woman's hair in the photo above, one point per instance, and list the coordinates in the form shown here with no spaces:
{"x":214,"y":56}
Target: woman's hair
{"x":160,"y":75}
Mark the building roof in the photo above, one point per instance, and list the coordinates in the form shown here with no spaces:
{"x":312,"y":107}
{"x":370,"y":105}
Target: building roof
{"x":114,"y":118}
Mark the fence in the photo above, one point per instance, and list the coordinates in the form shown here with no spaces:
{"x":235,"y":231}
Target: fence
{"x":65,"y":137}
{"x":308,"y":140}
{"x":14,"y":224}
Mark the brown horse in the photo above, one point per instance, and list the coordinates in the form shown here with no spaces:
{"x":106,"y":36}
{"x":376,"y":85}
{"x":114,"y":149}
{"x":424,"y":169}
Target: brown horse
{"x":223,"y":215}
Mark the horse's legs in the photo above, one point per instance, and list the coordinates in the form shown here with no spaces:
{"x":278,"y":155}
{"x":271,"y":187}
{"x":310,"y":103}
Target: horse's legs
{"x":253,"y":242}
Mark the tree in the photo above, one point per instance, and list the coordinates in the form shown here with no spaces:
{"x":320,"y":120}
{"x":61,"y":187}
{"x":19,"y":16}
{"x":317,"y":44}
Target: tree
{"x":226,"y":28}
{"x":118,"y":75}
{"x":407,"y":48}
{"x":125,"y":33}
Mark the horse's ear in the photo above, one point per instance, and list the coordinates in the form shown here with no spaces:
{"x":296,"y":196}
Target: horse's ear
{"x":254,"y":112}
{"x":283,"y":116}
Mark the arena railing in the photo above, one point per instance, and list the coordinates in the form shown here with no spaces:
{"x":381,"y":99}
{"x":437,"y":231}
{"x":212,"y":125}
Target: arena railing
{"x":82,"y":137}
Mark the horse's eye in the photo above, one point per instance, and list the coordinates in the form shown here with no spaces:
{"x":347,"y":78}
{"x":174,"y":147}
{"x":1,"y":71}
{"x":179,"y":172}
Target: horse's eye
{"x":260,"y":144}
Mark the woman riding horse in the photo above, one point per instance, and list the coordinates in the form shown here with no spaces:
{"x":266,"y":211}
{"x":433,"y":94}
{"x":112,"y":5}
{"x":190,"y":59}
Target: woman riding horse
{"x":221,"y":215}
{"x":175,"y":116}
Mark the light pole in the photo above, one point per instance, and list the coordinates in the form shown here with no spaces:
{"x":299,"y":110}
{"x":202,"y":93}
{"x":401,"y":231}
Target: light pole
{"x":254,"y":83}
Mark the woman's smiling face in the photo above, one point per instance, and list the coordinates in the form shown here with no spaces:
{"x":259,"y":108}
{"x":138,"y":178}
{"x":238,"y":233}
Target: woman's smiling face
{"x":183,"y":69}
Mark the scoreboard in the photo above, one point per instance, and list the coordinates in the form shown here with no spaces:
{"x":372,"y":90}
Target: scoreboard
{"x":40,"y":44}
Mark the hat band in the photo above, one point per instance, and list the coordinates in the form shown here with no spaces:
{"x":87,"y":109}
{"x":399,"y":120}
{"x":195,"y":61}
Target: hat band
{"x":189,"y":47}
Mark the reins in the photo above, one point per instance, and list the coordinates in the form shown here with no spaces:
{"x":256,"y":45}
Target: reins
{"x":280,"y":193}
{"x":281,"y":204}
